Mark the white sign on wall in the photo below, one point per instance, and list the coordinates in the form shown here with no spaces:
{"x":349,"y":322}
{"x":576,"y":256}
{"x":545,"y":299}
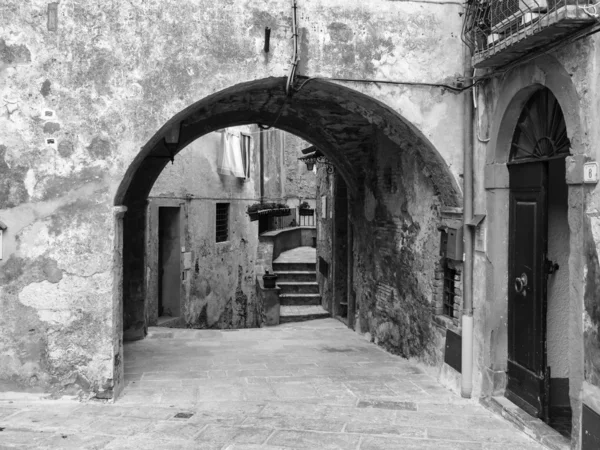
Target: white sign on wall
{"x":590,"y":172}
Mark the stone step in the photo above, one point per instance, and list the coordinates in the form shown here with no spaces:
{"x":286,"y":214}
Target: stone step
{"x":295,"y":266}
{"x":289,"y":314}
{"x":298,"y":287}
{"x":296,"y":275}
{"x":299,"y":299}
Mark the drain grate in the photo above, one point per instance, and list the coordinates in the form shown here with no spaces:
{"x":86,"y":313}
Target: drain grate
{"x":183,"y":415}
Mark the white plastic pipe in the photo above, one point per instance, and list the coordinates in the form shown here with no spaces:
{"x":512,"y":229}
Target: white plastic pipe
{"x":467,"y":314}
{"x":467,"y":357}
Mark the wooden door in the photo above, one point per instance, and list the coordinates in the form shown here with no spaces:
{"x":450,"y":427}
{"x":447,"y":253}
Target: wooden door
{"x":169,"y":257}
{"x":527,"y":374}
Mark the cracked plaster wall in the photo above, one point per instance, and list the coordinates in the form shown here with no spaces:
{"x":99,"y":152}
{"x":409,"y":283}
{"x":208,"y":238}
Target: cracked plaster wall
{"x":100,"y":87}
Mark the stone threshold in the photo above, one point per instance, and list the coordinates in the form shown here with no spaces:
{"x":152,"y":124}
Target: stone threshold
{"x":531,"y":426}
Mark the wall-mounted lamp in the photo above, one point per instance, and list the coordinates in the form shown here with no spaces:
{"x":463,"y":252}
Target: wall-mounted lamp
{"x":310,"y":163}
{"x":172,"y":140}
{"x":267,"y":39}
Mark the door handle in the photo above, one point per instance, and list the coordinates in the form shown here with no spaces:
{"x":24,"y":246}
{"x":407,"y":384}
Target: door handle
{"x":551,"y":267}
{"x":521,"y":284}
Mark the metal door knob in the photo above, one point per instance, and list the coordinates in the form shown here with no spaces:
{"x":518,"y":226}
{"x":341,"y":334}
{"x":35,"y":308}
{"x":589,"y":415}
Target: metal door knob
{"x":521,"y":284}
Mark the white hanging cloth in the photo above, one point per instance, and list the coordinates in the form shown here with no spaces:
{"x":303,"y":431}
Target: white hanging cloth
{"x":230,"y":161}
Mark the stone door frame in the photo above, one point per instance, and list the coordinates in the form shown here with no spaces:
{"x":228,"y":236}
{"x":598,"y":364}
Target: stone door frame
{"x":512,"y":95}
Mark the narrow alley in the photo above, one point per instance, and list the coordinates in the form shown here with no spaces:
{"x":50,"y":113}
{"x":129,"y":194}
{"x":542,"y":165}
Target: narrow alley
{"x":309,"y":385}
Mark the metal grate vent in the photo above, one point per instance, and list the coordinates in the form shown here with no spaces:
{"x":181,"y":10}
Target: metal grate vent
{"x":449,"y":291}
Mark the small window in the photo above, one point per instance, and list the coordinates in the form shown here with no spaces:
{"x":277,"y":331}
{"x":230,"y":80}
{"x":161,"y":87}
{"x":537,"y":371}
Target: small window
{"x":449,"y":291}
{"x":222,"y":222}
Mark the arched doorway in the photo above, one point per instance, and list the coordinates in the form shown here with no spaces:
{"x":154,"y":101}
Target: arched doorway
{"x":538,"y":258}
{"x":347,"y":126}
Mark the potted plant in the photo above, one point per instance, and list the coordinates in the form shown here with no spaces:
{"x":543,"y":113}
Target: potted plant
{"x":253,"y":211}
{"x":281,"y":209}
{"x":305,"y":210}
{"x":272,"y":209}
{"x":269,"y":280}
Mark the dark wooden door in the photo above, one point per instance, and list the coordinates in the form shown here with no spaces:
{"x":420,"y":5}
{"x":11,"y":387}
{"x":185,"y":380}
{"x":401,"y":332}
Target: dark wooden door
{"x":169,"y":257}
{"x":527,"y":383}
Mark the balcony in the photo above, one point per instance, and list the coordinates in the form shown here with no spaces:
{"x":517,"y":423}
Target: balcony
{"x":502,"y":31}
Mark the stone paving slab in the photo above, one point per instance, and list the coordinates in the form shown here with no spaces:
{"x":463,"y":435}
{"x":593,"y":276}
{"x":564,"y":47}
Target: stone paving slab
{"x":311,"y":385}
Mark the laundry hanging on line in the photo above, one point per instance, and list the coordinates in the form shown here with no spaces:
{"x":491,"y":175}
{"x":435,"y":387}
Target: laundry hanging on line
{"x":234,"y":158}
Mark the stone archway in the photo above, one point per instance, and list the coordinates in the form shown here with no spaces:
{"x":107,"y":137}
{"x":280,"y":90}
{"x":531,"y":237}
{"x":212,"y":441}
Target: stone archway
{"x":348,"y":126}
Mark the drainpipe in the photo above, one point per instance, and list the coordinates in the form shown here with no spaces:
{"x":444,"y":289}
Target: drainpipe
{"x":261,"y":148}
{"x":467,"y":316}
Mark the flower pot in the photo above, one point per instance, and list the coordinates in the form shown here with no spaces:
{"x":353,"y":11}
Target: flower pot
{"x":269,"y":280}
{"x":253,"y":216}
{"x":280,"y":212}
{"x":306,"y":212}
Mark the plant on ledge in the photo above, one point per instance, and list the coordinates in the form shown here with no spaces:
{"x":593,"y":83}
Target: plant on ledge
{"x":305,"y":210}
{"x":267,"y":208}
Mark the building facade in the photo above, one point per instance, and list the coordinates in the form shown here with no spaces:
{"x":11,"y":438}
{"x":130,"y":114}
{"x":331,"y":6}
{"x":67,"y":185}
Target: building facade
{"x":199,"y":204}
{"x":95,"y":97}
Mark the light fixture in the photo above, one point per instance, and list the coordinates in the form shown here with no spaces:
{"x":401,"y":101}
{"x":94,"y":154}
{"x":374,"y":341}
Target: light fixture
{"x":310,"y":163}
{"x":172,"y":140}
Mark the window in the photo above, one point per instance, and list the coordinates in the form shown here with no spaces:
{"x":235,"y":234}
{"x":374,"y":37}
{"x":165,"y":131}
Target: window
{"x":245,"y":143}
{"x":222,"y":222}
{"x":449,"y":291}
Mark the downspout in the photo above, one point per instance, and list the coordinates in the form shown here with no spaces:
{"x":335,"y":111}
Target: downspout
{"x":261,"y":152}
{"x":467,"y":316}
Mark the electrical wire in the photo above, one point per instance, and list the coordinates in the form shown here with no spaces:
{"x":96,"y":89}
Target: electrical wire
{"x":295,"y":58}
{"x":453,"y":89}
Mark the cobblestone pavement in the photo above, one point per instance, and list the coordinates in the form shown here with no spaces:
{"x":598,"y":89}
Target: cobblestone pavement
{"x":313,"y":385}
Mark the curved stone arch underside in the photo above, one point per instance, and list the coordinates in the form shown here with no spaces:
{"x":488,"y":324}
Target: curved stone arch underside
{"x":338,"y":120}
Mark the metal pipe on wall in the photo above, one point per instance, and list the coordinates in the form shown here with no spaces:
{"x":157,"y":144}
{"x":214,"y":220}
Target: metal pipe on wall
{"x":261,"y":149}
{"x":467,"y":316}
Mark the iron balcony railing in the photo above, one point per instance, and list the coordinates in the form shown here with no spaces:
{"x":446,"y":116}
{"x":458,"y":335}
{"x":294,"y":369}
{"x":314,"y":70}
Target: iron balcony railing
{"x":500,"y":31}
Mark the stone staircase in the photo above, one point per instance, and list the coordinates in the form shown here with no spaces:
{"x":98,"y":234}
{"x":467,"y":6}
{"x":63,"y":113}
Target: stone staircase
{"x":297,"y":278}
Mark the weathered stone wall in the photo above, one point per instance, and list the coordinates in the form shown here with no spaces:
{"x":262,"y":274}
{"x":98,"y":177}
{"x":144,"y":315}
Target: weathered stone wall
{"x":395,"y":251}
{"x":221,"y":291}
{"x":80,"y":102}
{"x":324,"y":223}
{"x":300,"y":183}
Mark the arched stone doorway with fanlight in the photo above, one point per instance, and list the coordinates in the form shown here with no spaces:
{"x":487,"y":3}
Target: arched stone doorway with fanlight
{"x":534,"y":284}
{"x":538,"y":300}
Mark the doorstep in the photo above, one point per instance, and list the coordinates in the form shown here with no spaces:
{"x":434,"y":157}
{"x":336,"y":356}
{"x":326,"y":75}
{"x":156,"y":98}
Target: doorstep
{"x":531,"y":426}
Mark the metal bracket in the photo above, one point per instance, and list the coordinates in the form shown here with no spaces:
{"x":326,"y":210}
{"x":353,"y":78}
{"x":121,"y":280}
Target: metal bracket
{"x":475,"y":220}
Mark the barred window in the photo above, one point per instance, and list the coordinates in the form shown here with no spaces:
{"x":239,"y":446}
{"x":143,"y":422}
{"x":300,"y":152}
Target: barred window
{"x":222,"y":222}
{"x":449,"y":291}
